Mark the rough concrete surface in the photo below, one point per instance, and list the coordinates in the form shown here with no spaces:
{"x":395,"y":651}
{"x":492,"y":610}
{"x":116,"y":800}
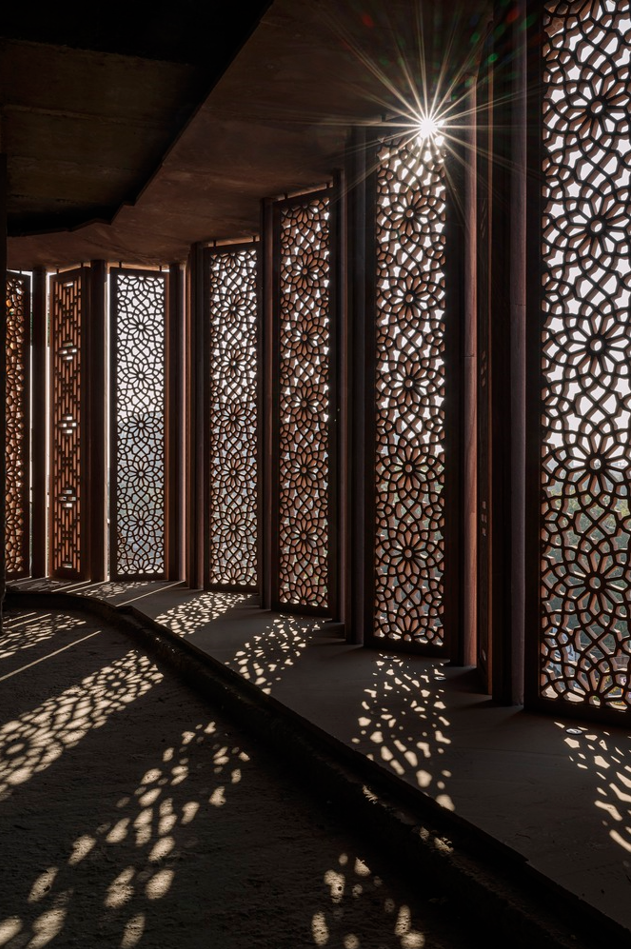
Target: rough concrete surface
{"x":133,"y":814}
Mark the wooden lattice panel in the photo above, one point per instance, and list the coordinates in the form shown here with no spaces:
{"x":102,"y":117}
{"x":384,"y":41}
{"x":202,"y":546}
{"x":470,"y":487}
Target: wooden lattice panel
{"x":138,"y":464}
{"x":410,"y":388}
{"x":232,"y":451}
{"x":17,"y":426}
{"x":586,"y":359}
{"x":67,"y":302}
{"x":304,"y":430}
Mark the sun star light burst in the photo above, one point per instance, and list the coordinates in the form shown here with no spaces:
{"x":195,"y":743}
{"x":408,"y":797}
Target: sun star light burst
{"x":428,"y":128}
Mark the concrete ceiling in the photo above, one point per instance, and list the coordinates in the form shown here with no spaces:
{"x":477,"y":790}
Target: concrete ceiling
{"x":129,"y":141}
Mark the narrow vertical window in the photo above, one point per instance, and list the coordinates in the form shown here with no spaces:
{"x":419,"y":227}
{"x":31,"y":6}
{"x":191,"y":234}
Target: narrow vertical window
{"x":585,"y":459}
{"x":17,"y":521}
{"x":138,"y":496}
{"x":303,"y":320}
{"x":232,"y":301}
{"x":410,"y":393}
{"x":68,"y":295}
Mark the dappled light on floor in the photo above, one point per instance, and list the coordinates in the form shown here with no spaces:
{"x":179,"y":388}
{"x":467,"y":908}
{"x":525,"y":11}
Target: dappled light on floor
{"x":268,"y":656}
{"x":25,"y":630}
{"x":403,"y":725}
{"x":47,"y":585}
{"x":353,"y":891}
{"x":605,"y":756}
{"x":188,"y":617}
{"x":137,"y":848}
{"x":157,"y":828}
{"x":32,"y":742}
{"x":110,"y":588}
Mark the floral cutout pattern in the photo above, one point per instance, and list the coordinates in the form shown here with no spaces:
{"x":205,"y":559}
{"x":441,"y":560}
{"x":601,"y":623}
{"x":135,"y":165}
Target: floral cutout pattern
{"x":140,"y":423}
{"x":410,"y":384}
{"x":304,"y":402}
{"x":232,"y":296}
{"x":586,"y":404}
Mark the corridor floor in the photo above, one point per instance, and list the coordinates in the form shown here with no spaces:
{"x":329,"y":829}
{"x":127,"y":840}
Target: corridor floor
{"x":132,"y":814}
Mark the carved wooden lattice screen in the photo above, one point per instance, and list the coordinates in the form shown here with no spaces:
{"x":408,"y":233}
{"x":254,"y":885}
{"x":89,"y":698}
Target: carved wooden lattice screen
{"x":410,"y":378}
{"x":68,"y":310}
{"x":585,"y":402}
{"x":138,"y":426}
{"x":17,"y":523}
{"x":232,"y":313}
{"x":303,"y":435}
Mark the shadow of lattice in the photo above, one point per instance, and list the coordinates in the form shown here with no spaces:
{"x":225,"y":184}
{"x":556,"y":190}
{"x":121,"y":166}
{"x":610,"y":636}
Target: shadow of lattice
{"x":134,"y":817}
{"x":110,"y":588}
{"x":27,"y":630}
{"x":32,"y":742}
{"x":269,"y":655}
{"x":606,"y":756}
{"x":403,"y":724}
{"x":195,"y":614}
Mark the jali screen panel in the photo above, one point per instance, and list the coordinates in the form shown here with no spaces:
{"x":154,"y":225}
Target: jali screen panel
{"x":18,"y":332}
{"x":68,"y":304}
{"x":303,"y":248}
{"x":410,"y":392}
{"x":138,"y":496}
{"x":232,"y":302}
{"x":586,"y":400}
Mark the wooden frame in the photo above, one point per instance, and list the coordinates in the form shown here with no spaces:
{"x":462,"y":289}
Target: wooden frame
{"x":208,"y":253}
{"x":270,"y":347}
{"x":40,"y":430}
{"x":536,"y":385}
{"x":365,"y":216}
{"x":97,"y":413}
{"x":71,"y":563}
{"x":168,"y":432}
{"x":19,"y":355}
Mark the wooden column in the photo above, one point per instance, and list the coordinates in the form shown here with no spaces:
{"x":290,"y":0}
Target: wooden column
{"x":267,"y":479}
{"x":195,"y":428}
{"x":39,"y":413}
{"x":174,"y":423}
{"x":457,"y":487}
{"x":97,"y":411}
{"x":342,"y":430}
{"x":499,"y":362}
{"x":361,"y":269}
{"x":337,"y":401}
{"x":470,"y":370}
{"x":518,"y":325}
{"x":358,"y":337}
{"x":507,"y":366}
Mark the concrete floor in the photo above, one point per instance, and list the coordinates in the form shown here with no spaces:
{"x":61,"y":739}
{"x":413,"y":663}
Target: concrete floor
{"x":133,"y":813}
{"x":560,"y":799}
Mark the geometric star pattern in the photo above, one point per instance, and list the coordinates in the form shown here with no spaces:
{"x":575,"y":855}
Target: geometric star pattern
{"x":410,"y":389}
{"x":233,"y":375}
{"x":586,"y":355}
{"x":304,"y":331}
{"x":138,"y":481}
